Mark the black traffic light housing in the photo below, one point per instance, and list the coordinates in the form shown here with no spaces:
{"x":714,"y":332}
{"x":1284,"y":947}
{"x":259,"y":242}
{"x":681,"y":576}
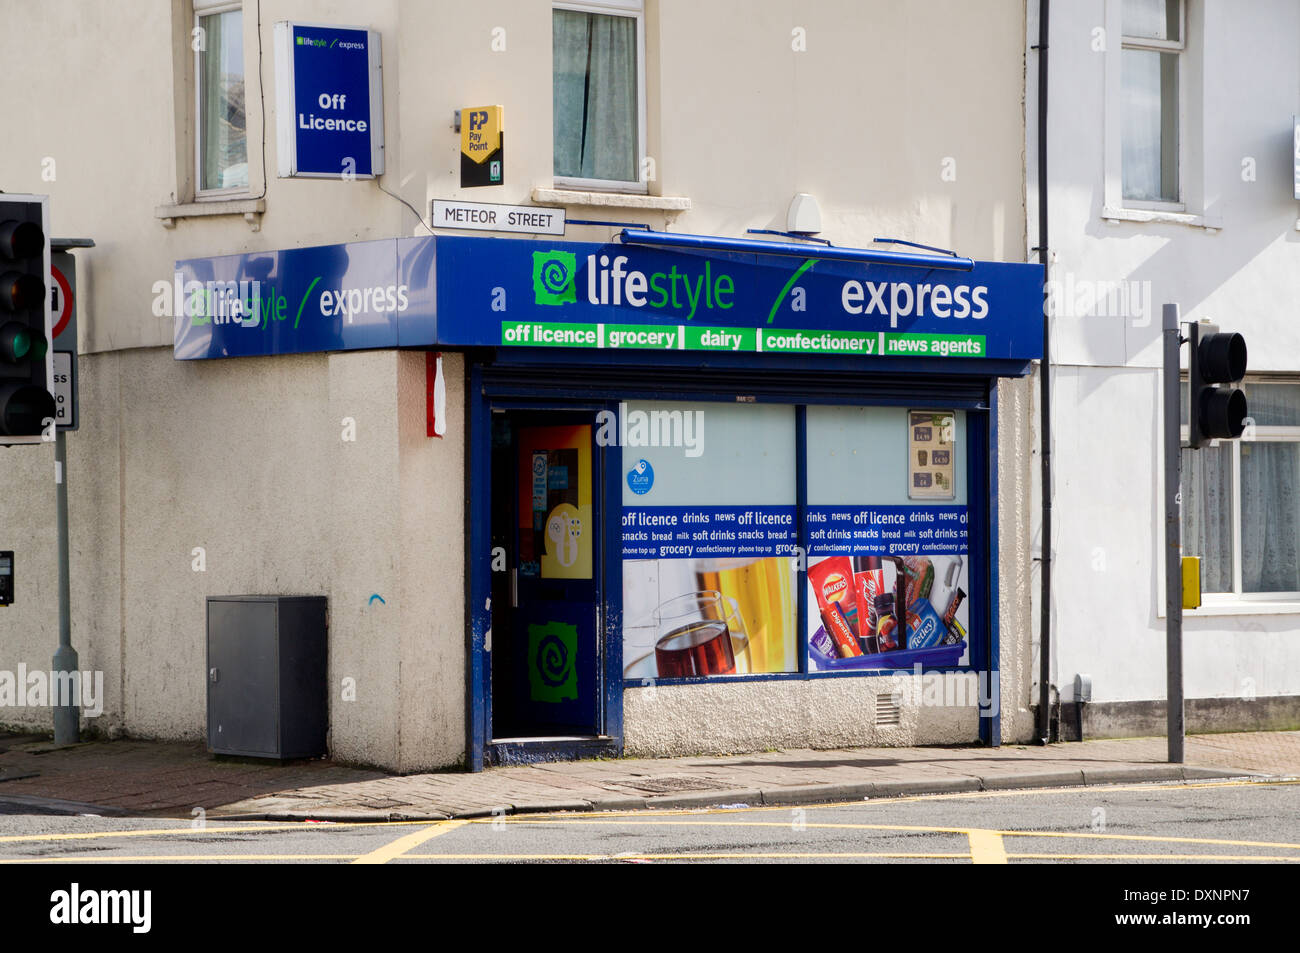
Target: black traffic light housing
{"x":1216,"y":410}
{"x":26,"y":403}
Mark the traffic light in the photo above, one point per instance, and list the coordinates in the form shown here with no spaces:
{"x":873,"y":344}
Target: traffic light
{"x":26,"y":403}
{"x":1217,"y":410}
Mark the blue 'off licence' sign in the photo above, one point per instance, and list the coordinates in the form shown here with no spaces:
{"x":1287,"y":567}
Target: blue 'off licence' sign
{"x":329,"y":98}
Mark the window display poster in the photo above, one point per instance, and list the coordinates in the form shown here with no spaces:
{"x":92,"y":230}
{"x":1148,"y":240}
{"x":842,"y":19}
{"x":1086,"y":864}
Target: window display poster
{"x":882,"y":611}
{"x":709,"y":527}
{"x":931,"y":453}
{"x":555,"y":531}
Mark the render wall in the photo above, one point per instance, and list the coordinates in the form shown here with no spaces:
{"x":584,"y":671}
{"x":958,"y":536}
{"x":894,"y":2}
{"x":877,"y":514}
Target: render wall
{"x":904,"y":120}
{"x":1237,"y":262}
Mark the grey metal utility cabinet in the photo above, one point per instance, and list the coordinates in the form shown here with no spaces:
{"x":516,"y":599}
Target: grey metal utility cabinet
{"x":267,"y":672}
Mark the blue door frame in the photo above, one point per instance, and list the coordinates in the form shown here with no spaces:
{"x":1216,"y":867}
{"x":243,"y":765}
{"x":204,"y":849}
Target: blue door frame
{"x":478,"y":494}
{"x":571,"y":388}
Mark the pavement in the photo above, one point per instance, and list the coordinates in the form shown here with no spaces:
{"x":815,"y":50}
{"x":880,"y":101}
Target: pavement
{"x":171,"y":779}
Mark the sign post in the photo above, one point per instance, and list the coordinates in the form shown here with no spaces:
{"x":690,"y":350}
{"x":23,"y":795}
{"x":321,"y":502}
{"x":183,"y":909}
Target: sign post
{"x":63,"y":309}
{"x":1173,"y":539}
{"x":63,"y":332}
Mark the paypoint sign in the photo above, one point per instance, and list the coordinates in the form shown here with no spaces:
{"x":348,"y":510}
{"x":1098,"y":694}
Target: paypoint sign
{"x":482,"y":146}
{"x":329,"y":101}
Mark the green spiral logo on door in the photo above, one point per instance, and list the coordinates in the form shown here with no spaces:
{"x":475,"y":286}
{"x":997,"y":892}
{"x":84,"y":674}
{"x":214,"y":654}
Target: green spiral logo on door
{"x":552,"y":675}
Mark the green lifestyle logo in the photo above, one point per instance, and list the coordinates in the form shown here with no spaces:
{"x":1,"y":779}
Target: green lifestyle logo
{"x":553,"y":276}
{"x":552,"y":651}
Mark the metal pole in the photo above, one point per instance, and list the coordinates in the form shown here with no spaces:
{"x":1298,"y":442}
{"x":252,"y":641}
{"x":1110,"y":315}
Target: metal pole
{"x":1173,"y":538}
{"x":1045,"y":397}
{"x":66,"y":715}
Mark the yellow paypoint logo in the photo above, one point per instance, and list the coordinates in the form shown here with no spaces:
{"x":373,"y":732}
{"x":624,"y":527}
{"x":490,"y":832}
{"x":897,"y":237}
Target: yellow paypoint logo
{"x":481,"y":140}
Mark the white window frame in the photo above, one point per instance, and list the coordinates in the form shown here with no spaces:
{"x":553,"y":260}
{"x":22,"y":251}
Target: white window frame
{"x":1237,"y":598}
{"x":635,"y":9}
{"x":206,"y":8}
{"x":1162,"y":46}
{"x":1189,"y":209}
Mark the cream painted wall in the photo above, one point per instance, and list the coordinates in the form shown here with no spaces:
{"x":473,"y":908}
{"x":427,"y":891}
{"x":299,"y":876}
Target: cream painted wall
{"x":246,"y":460}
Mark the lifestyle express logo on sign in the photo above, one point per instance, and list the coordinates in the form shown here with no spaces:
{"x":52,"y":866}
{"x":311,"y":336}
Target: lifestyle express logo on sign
{"x":610,"y":282}
{"x":691,"y":287}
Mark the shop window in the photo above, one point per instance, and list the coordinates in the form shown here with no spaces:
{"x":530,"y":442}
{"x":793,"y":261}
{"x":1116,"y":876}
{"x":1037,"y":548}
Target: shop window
{"x":886,"y":538}
{"x":714,"y":559}
{"x":709,"y":585}
{"x":599,"y":94}
{"x":1240,"y":511}
{"x":221,"y":140}
{"x":1153,"y":44}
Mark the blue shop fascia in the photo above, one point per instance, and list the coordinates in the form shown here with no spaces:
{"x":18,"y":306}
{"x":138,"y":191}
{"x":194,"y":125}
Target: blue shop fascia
{"x":691,"y":459}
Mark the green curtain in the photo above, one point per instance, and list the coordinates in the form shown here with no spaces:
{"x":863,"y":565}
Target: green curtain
{"x":595,"y":96}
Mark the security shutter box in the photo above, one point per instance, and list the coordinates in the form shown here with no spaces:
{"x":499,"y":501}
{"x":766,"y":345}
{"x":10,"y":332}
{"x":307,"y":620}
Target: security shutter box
{"x":267,"y":664}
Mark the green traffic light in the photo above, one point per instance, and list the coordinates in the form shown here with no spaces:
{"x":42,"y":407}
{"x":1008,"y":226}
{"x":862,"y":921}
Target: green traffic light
{"x":18,"y":344}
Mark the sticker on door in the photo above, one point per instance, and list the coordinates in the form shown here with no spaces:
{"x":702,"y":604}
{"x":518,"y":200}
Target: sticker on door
{"x":552,"y":647}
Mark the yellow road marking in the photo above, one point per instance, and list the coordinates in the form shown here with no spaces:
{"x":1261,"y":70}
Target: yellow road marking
{"x":199,"y":831}
{"x":986,"y":847}
{"x":701,"y":855}
{"x":886,"y":800}
{"x":693,"y":855}
{"x":400,"y":846}
{"x":1250,"y":857}
{"x":533,"y":819}
{"x":168,"y":858}
{"x":665,"y":816}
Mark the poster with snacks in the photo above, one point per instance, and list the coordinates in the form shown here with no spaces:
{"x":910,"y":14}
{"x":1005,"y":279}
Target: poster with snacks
{"x":855,"y":620}
{"x":931,"y":454}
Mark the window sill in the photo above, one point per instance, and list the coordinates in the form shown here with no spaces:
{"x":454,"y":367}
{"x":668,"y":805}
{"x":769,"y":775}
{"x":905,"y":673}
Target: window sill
{"x":1245,"y":607}
{"x":251,"y":209}
{"x":630,"y":200}
{"x":1156,"y":216}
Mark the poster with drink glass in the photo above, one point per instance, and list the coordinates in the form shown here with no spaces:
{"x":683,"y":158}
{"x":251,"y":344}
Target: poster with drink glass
{"x":709,"y":527}
{"x":719,"y":610}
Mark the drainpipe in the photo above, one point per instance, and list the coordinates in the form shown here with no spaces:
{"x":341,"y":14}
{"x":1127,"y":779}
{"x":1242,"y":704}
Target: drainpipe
{"x":1044,"y":380}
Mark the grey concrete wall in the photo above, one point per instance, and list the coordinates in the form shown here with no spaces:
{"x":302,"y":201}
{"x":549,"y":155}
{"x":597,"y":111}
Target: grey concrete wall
{"x":1016,"y":568}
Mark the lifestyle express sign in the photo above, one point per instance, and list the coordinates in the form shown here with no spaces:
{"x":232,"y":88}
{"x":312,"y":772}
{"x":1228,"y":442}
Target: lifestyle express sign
{"x":454,"y":291}
{"x":620,"y":296}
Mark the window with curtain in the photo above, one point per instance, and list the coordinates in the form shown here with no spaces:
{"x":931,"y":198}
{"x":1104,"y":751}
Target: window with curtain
{"x":222,"y":141}
{"x":1241,"y":499}
{"x":1153,"y":41}
{"x":596,"y":96}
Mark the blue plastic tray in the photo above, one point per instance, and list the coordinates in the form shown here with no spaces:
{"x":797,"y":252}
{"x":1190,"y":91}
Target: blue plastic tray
{"x":935,"y":655}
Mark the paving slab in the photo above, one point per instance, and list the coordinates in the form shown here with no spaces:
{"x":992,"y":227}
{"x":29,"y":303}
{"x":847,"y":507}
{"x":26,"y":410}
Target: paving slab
{"x":170,"y":778}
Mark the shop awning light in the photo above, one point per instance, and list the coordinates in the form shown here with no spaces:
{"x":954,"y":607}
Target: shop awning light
{"x":751,"y":246}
